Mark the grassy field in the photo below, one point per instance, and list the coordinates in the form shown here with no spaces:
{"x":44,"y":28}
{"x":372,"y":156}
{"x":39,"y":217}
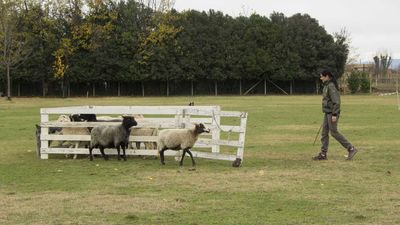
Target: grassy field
{"x":278,"y":182}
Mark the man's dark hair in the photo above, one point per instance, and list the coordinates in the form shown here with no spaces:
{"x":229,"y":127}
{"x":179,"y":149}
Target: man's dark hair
{"x":333,"y":78}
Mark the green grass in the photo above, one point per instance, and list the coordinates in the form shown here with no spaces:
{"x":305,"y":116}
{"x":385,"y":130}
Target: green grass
{"x":278,"y":182}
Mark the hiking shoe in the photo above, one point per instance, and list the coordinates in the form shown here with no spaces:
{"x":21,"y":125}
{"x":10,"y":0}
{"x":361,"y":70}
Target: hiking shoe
{"x":352,"y":152}
{"x":320,"y":156}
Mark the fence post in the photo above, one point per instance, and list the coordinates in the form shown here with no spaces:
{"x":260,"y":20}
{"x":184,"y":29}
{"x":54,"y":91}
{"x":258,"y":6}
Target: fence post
{"x":44,"y":145}
{"x":179,"y":118}
{"x":216,"y":122}
{"x":242,"y":135}
{"x":185,"y":118}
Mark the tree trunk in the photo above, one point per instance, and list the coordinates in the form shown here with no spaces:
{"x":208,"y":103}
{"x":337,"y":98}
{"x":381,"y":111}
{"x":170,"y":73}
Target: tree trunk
{"x":62,"y":88}
{"x":216,"y":88}
{"x":8,"y":83}
{"x":240,"y":86}
{"x":142,"y":89}
{"x":291,"y":87}
{"x":167,"y":87}
{"x":317,"y":86}
{"x":69,"y":89}
{"x":370,"y":83}
{"x":192,"y":89}
{"x":19,"y":89}
{"x":94,"y":89}
{"x":265,"y":86}
{"x":119,"y":89}
{"x":44,"y":88}
{"x":43,"y":91}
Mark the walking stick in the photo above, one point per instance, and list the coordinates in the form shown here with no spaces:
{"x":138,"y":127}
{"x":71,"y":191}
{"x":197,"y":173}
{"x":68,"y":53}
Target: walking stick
{"x":318,"y":133}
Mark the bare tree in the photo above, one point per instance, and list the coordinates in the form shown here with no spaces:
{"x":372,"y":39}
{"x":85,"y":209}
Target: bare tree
{"x":353,"y":55}
{"x":13,"y":43}
{"x":386,"y":61}
{"x":376,"y":69}
{"x":381,"y":65}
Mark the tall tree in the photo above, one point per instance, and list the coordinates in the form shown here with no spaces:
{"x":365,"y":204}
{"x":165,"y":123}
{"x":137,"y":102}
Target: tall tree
{"x":340,"y":52}
{"x":69,"y":16}
{"x":381,"y":66}
{"x":41,"y":29}
{"x":386,"y":61}
{"x":158,"y":45}
{"x":13,"y":42}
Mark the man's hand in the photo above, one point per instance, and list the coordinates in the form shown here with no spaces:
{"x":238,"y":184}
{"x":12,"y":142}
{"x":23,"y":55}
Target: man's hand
{"x":334,"y":119}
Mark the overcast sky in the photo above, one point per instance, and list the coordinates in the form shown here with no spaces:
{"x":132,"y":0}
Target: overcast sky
{"x":373,"y":25}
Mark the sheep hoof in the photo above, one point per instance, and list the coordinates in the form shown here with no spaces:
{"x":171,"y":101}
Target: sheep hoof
{"x":237,"y":162}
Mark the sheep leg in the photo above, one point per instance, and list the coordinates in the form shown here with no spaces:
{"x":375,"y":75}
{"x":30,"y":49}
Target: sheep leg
{"x":191,"y":156}
{"x":119,"y":151}
{"x":90,"y":153}
{"x":102,"y":152}
{"x":183,"y":156}
{"x":162,"y":156}
{"x":67,"y":155}
{"x":76,"y":146}
{"x":123,"y":152}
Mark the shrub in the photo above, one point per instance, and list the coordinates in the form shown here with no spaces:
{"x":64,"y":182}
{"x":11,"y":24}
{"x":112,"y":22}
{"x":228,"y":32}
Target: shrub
{"x":353,"y":81}
{"x":365,"y":83}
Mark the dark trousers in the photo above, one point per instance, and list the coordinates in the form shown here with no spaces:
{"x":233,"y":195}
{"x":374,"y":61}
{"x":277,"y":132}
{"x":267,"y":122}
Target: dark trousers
{"x":329,"y":126}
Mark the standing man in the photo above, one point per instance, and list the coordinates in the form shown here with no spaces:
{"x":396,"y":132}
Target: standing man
{"x":331,"y":109}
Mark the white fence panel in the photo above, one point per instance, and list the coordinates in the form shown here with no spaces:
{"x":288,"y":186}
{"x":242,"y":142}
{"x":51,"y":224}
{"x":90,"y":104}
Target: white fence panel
{"x":160,"y":117}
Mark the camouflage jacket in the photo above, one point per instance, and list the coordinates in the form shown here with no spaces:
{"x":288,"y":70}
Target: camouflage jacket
{"x":330,"y":99}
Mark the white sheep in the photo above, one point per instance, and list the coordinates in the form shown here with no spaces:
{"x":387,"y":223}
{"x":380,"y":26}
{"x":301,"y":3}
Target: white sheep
{"x":179,"y":139}
{"x":115,"y":119}
{"x":145,"y":131}
{"x":73,"y":131}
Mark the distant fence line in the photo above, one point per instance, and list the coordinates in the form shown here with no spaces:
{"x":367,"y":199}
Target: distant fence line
{"x":162,"y":88}
{"x":385,"y":84}
{"x":379,"y":84}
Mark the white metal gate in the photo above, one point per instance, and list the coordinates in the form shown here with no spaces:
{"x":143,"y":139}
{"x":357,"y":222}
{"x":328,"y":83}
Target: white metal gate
{"x":159,"y":117}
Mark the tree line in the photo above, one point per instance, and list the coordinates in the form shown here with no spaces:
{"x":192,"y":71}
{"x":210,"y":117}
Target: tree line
{"x":69,"y":42}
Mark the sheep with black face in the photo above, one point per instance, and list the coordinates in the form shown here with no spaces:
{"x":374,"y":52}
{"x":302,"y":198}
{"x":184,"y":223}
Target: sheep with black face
{"x":179,"y":139}
{"x":112,"y":136}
